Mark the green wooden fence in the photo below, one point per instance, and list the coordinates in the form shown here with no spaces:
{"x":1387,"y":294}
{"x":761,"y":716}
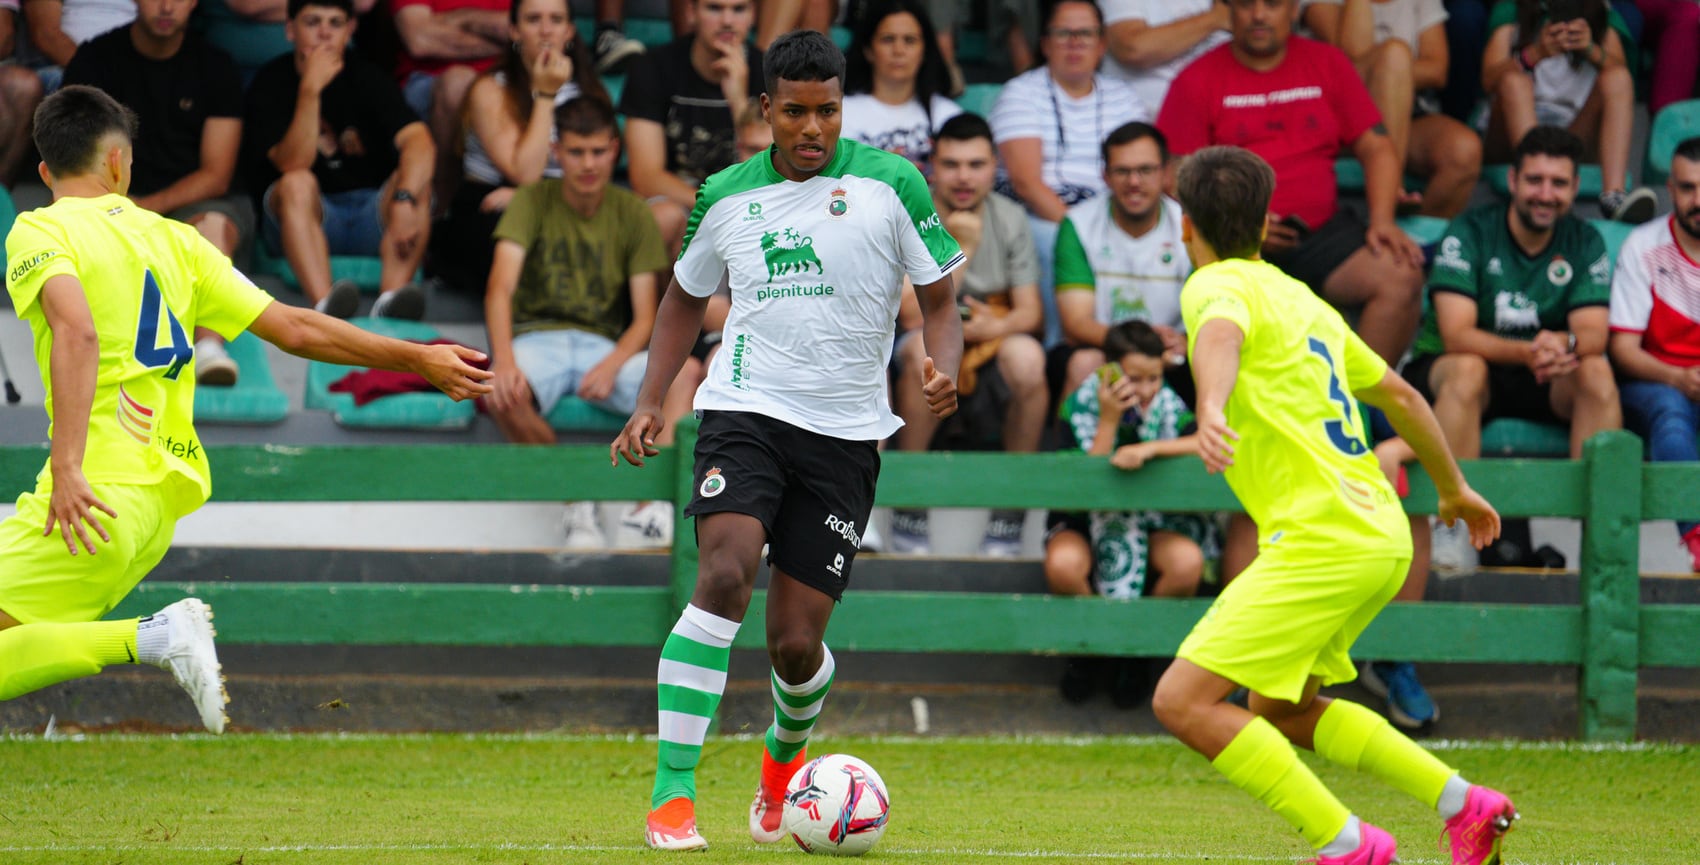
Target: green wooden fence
{"x":1607,"y":633}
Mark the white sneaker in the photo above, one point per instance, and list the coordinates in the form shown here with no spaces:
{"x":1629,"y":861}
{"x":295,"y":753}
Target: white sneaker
{"x":645,"y":525}
{"x":214,"y":366}
{"x":872,"y":540}
{"x":1452,"y":555}
{"x":193,"y":660}
{"x":581,"y":528}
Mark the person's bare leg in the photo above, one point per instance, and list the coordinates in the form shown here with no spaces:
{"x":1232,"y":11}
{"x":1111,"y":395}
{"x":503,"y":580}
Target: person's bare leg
{"x":1068,"y":563}
{"x":400,"y":263}
{"x":1021,"y":361}
{"x":1388,"y":78}
{"x":1614,"y":93}
{"x":523,"y":425}
{"x":1239,"y":547}
{"x":20,"y":93}
{"x":296,"y":204}
{"x":1449,"y":154}
{"x":1178,"y":563}
{"x":448,"y":95}
{"x":1588,"y":398}
{"x":1459,"y":383}
{"x":1513,"y":112}
{"x":774,"y":18}
{"x":1082,"y":363}
{"x":1391,"y":294}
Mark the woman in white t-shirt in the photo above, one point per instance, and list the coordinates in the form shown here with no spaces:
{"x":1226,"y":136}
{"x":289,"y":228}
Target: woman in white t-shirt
{"x":510,"y":132}
{"x":894,"y":82}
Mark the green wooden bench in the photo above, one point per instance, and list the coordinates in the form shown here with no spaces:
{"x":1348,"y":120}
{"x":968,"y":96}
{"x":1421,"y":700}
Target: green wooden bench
{"x":1608,"y":634}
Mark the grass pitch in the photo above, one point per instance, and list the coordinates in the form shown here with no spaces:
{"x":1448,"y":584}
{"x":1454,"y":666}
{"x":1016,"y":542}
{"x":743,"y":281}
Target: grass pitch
{"x":440,"y":799}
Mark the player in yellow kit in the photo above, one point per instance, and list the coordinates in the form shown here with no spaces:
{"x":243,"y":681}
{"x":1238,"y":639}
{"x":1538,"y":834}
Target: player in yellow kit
{"x":111,"y":293}
{"x":1279,"y":374}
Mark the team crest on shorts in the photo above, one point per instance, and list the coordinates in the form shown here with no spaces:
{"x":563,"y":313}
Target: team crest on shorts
{"x":713,"y":484}
{"x":838,"y":206}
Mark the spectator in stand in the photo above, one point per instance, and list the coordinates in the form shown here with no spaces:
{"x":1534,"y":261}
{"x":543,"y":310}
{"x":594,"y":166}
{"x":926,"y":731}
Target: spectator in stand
{"x":188,"y":102}
{"x":1296,"y":103}
{"x":1466,"y":39}
{"x":1126,"y":413}
{"x":340,"y":164}
{"x":1399,"y":47}
{"x":1655,"y":324}
{"x":1569,"y":73}
{"x":510,"y":133}
{"x":1676,"y":55}
{"x":445,"y":44}
{"x":1518,"y":317}
{"x":1120,"y":258}
{"x":1010,"y":24}
{"x":681,"y":103}
{"x":57,"y":27}
{"x":775,"y":18}
{"x":894,"y":82}
{"x":252,"y":31}
{"x":1150,"y":41}
{"x":20,"y":93}
{"x":1049,"y":123}
{"x":1002,"y":398}
{"x":572,"y":296}
{"x":614,"y":49}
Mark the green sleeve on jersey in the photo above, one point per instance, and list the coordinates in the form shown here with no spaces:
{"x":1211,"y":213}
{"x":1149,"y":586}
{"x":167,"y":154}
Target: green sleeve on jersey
{"x":1592,"y":285}
{"x":1073,"y":269}
{"x":1456,"y":257}
{"x":741,"y":177}
{"x":33,"y":255}
{"x":519,"y":222}
{"x":917,"y":198}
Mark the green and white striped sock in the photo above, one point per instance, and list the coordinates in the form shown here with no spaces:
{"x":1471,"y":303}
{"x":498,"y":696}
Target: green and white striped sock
{"x":795,"y":708}
{"x":689,"y":682}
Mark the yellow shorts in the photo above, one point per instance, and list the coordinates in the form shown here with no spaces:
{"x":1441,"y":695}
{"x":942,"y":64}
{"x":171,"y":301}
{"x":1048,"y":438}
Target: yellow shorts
{"x":1287,"y":618}
{"x":40,"y":581}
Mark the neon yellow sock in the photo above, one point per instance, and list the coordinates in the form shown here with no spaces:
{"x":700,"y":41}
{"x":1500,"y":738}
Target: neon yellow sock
{"x":1353,"y":736}
{"x":35,"y":656}
{"x":1263,"y":763}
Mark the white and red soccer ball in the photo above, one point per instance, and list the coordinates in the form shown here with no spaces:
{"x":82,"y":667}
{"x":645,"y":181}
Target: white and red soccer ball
{"x":836,"y":805}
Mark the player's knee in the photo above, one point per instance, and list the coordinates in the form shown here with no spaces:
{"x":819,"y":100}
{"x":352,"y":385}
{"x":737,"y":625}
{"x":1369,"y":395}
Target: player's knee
{"x":794,"y":653}
{"x":1173,"y":706}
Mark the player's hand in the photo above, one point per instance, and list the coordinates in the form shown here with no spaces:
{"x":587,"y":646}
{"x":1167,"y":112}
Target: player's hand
{"x":1130,"y":457}
{"x":497,"y":200}
{"x":322,"y":64}
{"x":1390,"y":240}
{"x":551,"y":69}
{"x":1280,"y":237}
{"x":598,"y":381}
{"x":1174,"y":344}
{"x":939,"y":389}
{"x":72,"y":509}
{"x":450,"y":369}
{"x":510,"y":388}
{"x":1215,"y":441}
{"x":637,"y":440}
{"x":1469,"y":506}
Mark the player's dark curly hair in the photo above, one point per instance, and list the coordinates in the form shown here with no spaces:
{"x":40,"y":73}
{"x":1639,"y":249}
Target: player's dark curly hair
{"x":802,"y":55}
{"x":1225,"y":191}
{"x":71,"y":124}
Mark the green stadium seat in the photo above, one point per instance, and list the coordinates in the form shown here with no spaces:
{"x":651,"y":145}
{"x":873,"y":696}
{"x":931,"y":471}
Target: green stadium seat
{"x":254,"y":399}
{"x":971,"y":46}
{"x":366,"y":270}
{"x":1614,"y":233}
{"x":417,"y":411}
{"x":8,"y":215}
{"x":1589,"y":181}
{"x":1510,"y":437}
{"x":1349,"y":173}
{"x":616,"y":85}
{"x":652,"y":32}
{"x":979,"y":98}
{"x":841,"y":36}
{"x":572,"y":414}
{"x":1677,"y":123}
{"x":1425,"y":230}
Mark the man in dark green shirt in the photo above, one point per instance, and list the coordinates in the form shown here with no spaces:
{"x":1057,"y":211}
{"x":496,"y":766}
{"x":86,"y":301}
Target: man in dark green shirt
{"x":1516,"y":322}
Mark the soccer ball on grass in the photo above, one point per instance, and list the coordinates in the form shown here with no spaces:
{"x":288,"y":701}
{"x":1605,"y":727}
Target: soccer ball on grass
{"x":836,"y":805}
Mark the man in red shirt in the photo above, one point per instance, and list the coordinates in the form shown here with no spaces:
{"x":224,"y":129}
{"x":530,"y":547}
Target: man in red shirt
{"x":1297,"y":103}
{"x":444,"y":45}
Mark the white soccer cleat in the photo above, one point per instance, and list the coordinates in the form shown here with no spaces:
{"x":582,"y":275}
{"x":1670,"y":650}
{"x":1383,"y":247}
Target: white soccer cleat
{"x":193,"y":660}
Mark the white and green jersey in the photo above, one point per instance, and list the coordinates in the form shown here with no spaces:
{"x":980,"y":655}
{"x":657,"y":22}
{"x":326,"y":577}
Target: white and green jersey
{"x":816,"y":273}
{"x":1132,"y":278}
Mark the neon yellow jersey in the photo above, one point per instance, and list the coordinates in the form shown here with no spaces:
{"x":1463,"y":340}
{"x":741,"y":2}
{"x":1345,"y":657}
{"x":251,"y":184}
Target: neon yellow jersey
{"x":150,"y":282}
{"x":1301,"y":467}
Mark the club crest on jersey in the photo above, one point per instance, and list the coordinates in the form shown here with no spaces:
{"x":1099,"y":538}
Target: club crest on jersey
{"x":1559,"y":271}
{"x":838,"y":206}
{"x":713,"y":484}
{"x":788,"y":252}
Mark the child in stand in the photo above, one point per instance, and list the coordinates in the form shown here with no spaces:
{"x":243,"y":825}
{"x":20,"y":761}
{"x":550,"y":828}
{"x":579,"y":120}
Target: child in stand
{"x":1128,"y":414}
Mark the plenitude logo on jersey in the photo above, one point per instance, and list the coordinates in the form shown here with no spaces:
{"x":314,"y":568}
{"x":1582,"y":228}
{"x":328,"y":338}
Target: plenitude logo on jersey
{"x":789,"y":253}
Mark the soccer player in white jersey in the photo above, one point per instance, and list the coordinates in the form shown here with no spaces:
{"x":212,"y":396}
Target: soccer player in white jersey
{"x":816,"y":235}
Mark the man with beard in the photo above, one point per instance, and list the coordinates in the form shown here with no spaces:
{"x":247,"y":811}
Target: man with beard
{"x":1655,"y":324}
{"x":1003,"y":365}
{"x":1120,"y":258}
{"x":188,"y":100}
{"x":1517,"y":320}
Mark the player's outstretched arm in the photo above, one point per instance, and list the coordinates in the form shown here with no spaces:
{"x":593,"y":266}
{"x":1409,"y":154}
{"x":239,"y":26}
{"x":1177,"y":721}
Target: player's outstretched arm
{"x":1215,"y":367}
{"x":73,"y":367}
{"x":305,"y":333}
{"x":1415,"y":422}
{"x":677,"y":324}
